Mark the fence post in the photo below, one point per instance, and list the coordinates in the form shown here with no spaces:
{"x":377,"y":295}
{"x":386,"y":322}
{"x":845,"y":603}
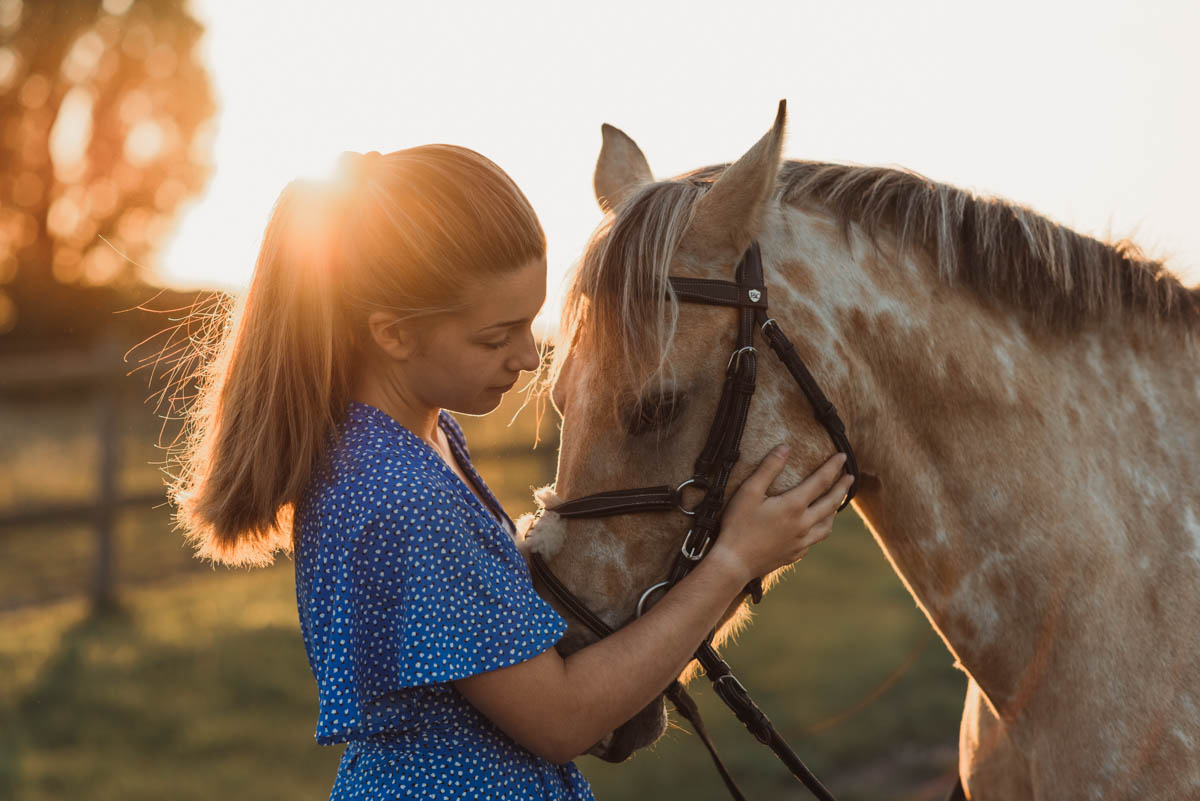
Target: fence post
{"x":104,"y":595}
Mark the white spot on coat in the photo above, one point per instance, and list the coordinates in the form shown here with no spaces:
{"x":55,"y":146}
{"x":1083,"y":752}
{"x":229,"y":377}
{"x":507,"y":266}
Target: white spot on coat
{"x":1008,"y":372}
{"x":1192,"y":526}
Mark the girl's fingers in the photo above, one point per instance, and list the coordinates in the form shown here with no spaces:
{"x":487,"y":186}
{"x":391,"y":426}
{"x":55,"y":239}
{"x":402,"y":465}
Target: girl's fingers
{"x":818,"y":532}
{"x":816,"y":499}
{"x":827,"y":505}
{"x":804,"y":493}
{"x":767,"y":471}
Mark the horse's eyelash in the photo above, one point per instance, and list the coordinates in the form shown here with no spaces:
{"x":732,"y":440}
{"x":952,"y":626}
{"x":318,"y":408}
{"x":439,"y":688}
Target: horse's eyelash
{"x":654,"y":413}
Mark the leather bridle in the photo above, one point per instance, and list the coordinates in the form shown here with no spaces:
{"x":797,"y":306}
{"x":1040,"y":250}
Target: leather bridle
{"x":748,"y":294}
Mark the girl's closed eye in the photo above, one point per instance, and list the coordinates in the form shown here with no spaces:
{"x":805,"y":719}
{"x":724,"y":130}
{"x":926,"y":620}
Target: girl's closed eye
{"x":391,"y":359}
{"x":498,"y":345}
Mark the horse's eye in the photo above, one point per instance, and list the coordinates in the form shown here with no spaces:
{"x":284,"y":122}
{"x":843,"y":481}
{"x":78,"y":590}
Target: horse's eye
{"x":653,"y":412}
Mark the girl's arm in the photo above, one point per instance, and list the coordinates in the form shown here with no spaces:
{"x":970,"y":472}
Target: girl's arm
{"x":558,"y":708}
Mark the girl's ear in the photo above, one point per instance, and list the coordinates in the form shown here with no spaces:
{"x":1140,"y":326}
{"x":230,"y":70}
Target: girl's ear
{"x":391,"y":336}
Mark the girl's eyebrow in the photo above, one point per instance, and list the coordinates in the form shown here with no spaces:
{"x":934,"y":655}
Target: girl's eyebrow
{"x":499,"y":325}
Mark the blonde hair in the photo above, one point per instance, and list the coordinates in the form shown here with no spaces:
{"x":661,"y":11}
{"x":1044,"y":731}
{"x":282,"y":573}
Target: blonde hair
{"x":405,"y":232}
{"x":620,"y":295}
{"x":617,"y":296}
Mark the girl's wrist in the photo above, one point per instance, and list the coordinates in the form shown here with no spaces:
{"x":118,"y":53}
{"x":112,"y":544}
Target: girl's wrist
{"x":726,"y":562}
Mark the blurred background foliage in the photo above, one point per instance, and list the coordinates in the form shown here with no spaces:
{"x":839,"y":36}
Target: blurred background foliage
{"x":128,"y":669}
{"x":106,"y":121}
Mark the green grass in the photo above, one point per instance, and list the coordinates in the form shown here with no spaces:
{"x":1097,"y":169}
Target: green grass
{"x":822,"y":641}
{"x":49,"y":457}
{"x":200,"y":689}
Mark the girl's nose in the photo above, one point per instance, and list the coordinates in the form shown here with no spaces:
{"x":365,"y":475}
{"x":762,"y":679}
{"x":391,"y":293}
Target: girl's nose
{"x":527,"y":357}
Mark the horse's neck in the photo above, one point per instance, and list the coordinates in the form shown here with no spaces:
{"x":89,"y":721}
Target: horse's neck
{"x":1036,"y":492}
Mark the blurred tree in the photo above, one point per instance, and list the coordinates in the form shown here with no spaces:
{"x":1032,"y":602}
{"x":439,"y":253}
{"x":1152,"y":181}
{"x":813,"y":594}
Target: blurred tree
{"x":105,"y":110}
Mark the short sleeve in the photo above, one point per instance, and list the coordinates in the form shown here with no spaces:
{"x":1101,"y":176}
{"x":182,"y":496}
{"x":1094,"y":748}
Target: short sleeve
{"x":440,"y":596}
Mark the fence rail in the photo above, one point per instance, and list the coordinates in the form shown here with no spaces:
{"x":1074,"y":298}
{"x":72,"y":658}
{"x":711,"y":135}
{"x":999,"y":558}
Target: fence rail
{"x":73,"y":511}
{"x":99,"y":378}
{"x":99,"y":372}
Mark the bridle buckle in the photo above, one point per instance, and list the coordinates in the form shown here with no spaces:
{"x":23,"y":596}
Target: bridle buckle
{"x":736,"y":356}
{"x":694,"y":554}
{"x":711,"y":474}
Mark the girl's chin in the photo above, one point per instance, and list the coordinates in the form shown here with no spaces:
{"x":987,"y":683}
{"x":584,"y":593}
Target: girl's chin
{"x":487,"y":401}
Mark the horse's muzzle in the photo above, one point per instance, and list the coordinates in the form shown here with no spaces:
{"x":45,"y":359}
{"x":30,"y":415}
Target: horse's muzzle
{"x":641,"y":730}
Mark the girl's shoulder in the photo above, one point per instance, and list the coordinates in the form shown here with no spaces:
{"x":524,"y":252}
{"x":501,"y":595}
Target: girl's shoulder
{"x":371,"y":447}
{"x":374,"y":469}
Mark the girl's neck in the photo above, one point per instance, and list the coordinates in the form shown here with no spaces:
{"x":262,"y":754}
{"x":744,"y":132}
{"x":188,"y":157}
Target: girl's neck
{"x":400,"y":404}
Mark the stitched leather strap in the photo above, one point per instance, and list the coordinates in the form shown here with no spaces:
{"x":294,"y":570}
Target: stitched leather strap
{"x":734,"y":695}
{"x":823,"y":408}
{"x":619,"y":502}
{"x":719,"y":293}
{"x":713,"y":467}
{"x":690,"y":712}
{"x":576,"y":607}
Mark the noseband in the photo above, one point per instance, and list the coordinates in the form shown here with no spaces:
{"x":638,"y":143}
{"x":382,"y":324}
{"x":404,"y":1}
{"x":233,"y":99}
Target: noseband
{"x":748,"y":294}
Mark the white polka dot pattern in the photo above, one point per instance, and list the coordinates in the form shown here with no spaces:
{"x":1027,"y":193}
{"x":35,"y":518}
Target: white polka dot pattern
{"x":404,"y":583}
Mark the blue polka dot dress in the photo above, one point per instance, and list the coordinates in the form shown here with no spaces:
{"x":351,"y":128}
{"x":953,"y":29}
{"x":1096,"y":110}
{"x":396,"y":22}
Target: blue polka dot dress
{"x":404,"y":583}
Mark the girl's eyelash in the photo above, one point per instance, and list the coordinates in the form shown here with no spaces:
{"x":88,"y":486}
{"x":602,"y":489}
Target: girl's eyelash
{"x":499,"y":345}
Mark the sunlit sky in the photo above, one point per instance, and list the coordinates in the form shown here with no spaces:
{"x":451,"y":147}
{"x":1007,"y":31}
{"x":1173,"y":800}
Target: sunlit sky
{"x":1086,"y":111}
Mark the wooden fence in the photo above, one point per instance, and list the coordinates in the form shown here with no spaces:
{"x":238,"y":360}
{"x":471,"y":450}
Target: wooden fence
{"x":98,"y":374}
{"x":99,"y":378}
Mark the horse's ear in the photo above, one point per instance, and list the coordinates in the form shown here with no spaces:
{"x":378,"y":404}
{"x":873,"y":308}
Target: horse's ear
{"x":729,"y":216}
{"x":621,"y":168}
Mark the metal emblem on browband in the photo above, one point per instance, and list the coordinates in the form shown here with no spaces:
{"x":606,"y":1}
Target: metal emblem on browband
{"x":755,"y":295}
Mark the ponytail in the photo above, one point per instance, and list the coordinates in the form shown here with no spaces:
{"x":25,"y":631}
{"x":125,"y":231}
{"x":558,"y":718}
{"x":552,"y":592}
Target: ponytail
{"x":269,"y":399}
{"x":404,"y":232}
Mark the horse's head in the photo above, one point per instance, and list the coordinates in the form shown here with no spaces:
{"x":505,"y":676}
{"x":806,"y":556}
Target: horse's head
{"x":638,"y":376}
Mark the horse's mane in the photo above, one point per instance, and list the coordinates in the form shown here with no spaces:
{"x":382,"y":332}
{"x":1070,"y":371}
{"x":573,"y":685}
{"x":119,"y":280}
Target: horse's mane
{"x":1056,"y":277}
{"x":1003,"y":250}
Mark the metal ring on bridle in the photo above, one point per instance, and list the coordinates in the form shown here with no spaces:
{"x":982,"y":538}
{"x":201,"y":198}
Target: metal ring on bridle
{"x":646,"y":594}
{"x":768,"y":321}
{"x":737,"y":355}
{"x":679,"y":495}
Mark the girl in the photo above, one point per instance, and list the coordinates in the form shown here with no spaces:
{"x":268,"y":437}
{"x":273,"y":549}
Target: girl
{"x":378,"y":301}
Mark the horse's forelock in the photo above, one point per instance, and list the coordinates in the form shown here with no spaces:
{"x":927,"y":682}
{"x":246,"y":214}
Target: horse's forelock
{"x":617,"y":301}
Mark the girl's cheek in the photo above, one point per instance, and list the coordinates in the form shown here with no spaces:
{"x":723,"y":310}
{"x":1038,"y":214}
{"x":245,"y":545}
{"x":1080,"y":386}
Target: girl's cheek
{"x":479,"y":367}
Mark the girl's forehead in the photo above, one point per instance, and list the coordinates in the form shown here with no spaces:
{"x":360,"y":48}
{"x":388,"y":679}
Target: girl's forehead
{"x":509,"y":298}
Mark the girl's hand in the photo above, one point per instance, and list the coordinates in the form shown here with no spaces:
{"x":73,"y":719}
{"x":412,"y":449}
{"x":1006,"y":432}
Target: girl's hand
{"x":557,"y":707}
{"x":760,"y":533}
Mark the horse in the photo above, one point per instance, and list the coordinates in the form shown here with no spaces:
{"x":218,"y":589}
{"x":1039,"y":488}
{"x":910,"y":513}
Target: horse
{"x":1023,"y":403}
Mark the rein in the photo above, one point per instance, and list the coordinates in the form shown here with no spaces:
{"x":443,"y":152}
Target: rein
{"x":748,"y":294}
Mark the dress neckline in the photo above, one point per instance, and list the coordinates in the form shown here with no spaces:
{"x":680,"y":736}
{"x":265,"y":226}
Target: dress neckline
{"x":488,"y":504}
